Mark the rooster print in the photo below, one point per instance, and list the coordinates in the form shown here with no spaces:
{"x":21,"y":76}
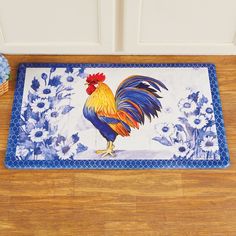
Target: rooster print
{"x":136,"y":98}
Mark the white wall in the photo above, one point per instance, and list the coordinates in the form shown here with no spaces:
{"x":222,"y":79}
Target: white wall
{"x":118,"y":26}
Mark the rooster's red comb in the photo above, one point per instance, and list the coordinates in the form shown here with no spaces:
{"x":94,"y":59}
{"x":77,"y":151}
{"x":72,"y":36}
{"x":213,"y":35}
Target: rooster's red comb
{"x":99,"y":77}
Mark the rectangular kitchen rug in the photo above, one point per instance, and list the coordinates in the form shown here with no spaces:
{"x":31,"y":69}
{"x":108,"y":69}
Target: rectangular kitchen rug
{"x":116,"y":116}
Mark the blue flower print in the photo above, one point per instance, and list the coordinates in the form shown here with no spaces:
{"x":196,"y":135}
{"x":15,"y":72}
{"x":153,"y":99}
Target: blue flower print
{"x":65,"y":150}
{"x":40,"y":105}
{"x":48,"y":102}
{"x":209,"y":144}
{"x":187,"y":105}
{"x":68,"y":81}
{"x":194,"y":137}
{"x":165,"y":129}
{"x":46,"y":91}
{"x":207,"y":110}
{"x":4,"y":69}
{"x":182,"y":150}
{"x":197,"y":122}
{"x":38,"y":134}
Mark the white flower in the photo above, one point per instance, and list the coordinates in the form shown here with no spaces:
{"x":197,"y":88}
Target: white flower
{"x":46,"y":91}
{"x":53,"y":115}
{"x":209,"y":144}
{"x":165,"y":129}
{"x":65,"y":150}
{"x":21,"y":151}
{"x":187,"y":105}
{"x":68,"y":81}
{"x":39,"y":105}
{"x":181,"y":149}
{"x":207,"y":110}
{"x":38,"y":134}
{"x":197,"y":122}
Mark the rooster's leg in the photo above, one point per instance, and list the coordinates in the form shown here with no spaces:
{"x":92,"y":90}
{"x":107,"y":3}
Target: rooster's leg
{"x":108,"y":151}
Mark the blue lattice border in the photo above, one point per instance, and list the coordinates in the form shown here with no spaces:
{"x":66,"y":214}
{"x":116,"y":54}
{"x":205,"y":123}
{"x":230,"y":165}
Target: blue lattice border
{"x":11,"y":162}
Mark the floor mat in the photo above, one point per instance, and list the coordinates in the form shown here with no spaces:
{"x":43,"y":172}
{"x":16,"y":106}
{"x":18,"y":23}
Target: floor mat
{"x":116,"y":116}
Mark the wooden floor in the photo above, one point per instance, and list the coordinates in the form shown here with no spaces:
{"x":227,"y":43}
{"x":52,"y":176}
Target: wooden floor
{"x":121,"y":202}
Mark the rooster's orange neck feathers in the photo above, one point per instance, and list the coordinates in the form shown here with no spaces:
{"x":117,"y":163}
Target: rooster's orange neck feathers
{"x":102,"y":100}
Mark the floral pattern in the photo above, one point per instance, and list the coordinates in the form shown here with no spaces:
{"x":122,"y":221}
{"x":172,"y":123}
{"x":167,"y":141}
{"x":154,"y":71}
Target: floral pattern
{"x":47,"y":102}
{"x":4,"y":69}
{"x":194,"y":136}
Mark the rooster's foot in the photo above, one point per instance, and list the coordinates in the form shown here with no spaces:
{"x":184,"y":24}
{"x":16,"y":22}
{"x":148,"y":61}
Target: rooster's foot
{"x":108,"y":151}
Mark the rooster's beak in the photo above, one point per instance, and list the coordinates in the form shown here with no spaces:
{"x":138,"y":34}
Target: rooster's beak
{"x":86,"y":83}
